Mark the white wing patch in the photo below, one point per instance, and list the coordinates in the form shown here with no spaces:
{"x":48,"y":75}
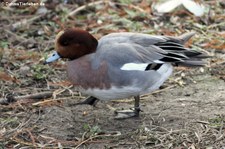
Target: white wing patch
{"x":134,"y":66}
{"x":158,"y":61}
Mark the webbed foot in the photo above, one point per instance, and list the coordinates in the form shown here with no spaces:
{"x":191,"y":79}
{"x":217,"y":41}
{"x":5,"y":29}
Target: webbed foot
{"x":89,"y":101}
{"x":124,"y":114}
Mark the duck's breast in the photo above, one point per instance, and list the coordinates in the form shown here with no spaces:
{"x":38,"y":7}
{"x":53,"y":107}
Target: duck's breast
{"x":81,"y":74}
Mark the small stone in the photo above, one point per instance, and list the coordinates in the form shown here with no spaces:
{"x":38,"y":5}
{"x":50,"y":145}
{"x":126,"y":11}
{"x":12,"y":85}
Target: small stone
{"x":24,"y":70}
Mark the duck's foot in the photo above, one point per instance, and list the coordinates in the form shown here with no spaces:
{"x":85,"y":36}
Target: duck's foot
{"x":89,"y":101}
{"x":134,"y":112}
{"x":124,"y":114}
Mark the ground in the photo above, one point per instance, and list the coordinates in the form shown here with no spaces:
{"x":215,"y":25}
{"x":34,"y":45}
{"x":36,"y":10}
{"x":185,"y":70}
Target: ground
{"x":188,"y":111}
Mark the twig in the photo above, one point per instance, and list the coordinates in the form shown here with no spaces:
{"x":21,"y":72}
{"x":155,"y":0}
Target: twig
{"x":50,"y":101}
{"x":86,"y":141}
{"x":202,"y":122}
{"x":54,"y":141}
{"x":26,"y":21}
{"x":133,"y":7}
{"x":15,"y":35}
{"x":100,"y":2}
{"x":31,"y":137}
{"x":159,"y":91}
{"x":90,"y":139}
{"x":37,"y":96}
{"x":18,"y":140}
{"x":59,"y":91}
{"x":85,"y":6}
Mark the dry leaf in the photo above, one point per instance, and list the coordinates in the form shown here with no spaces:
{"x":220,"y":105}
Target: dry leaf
{"x":168,"y":6}
{"x":195,"y":8}
{"x":61,"y":84}
{"x":4,"y":76}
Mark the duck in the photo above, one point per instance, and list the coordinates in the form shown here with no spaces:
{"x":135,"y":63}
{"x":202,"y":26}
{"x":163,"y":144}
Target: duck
{"x":122,"y":65}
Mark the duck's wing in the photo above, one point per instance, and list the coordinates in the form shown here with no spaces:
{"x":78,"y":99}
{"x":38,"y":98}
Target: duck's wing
{"x":144,"y":39}
{"x":122,"y":48}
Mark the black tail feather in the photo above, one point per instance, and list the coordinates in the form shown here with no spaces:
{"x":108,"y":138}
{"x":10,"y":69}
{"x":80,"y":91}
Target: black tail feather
{"x":177,"y":54}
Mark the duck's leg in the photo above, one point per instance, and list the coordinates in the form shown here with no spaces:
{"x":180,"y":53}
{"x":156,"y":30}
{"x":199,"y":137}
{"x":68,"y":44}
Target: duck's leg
{"x":134,"y":112}
{"x":90,"y":101}
{"x":137,"y":105}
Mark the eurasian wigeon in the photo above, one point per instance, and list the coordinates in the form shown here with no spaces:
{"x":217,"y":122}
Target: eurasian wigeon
{"x":122,"y":65}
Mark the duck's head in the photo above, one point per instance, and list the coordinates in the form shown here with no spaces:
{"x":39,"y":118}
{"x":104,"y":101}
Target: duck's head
{"x":72,"y":44}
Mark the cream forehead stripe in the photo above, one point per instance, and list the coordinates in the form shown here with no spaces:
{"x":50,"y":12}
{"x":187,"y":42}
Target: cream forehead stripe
{"x":58,"y":35}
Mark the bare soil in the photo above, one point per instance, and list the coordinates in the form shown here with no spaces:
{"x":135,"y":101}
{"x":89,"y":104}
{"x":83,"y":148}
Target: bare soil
{"x":185,"y":112}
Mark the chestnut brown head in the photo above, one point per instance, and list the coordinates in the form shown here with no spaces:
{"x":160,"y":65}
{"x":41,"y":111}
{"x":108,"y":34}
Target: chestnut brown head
{"x":72,"y":44}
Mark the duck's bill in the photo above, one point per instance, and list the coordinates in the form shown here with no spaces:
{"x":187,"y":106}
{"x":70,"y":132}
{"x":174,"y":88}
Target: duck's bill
{"x":52,"y":58}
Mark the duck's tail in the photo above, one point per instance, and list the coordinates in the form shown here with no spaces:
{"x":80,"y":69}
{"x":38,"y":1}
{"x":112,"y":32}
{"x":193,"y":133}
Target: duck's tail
{"x":185,"y":37}
{"x":179,"y":55}
{"x":195,"y":56}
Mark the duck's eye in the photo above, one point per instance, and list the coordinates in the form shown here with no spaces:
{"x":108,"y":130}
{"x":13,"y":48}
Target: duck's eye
{"x":65,"y":43}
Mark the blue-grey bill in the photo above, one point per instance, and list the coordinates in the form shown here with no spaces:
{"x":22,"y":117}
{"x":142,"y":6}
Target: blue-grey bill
{"x":52,"y":58}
